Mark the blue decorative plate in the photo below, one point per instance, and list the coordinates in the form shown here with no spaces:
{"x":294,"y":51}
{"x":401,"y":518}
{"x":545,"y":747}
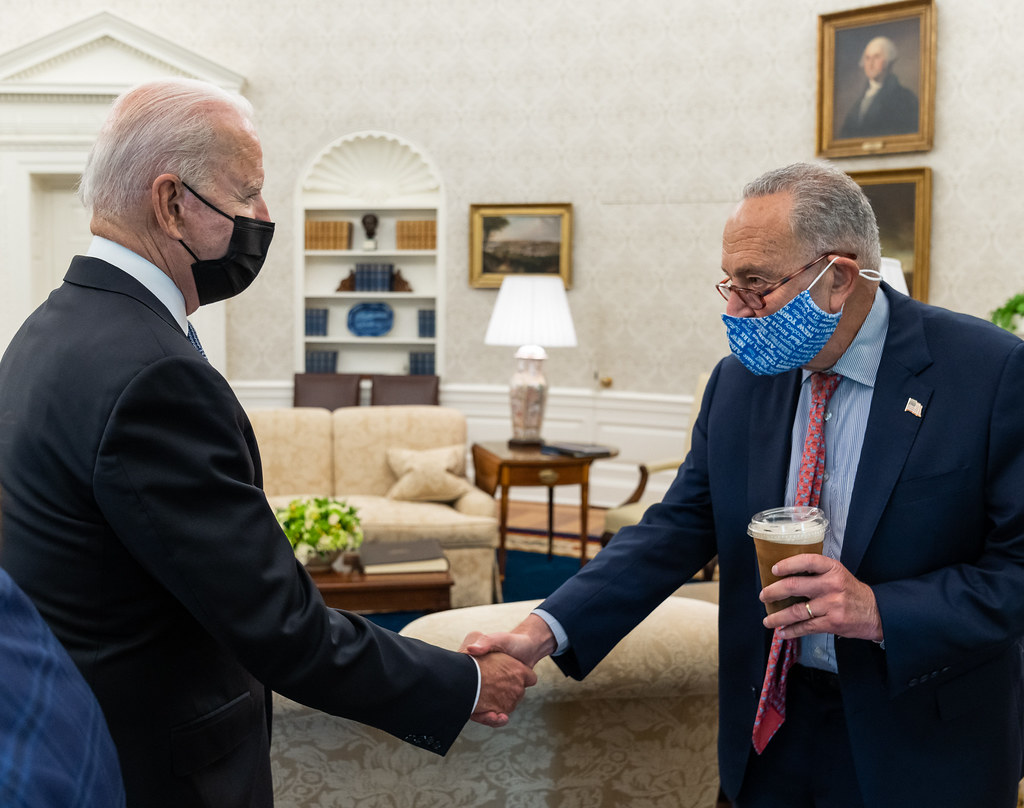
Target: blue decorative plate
{"x":370,"y":319}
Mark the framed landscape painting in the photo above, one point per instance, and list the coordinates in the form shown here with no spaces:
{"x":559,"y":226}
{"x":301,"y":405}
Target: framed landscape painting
{"x":902,"y":201}
{"x":519,"y":240}
{"x":876,"y":80}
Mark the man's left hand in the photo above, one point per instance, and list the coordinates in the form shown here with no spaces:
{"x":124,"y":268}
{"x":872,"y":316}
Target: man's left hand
{"x":839,"y":603}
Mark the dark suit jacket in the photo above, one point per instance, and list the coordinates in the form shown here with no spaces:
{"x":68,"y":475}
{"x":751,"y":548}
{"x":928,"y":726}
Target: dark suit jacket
{"x":936,"y":527}
{"x":134,"y":519}
{"x":893,"y":111}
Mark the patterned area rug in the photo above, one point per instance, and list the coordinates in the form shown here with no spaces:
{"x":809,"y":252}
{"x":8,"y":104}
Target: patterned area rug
{"x":537,"y":542}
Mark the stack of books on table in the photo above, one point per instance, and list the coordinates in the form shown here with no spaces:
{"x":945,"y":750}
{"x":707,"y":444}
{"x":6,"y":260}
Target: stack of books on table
{"x":575,"y":449}
{"x":389,"y":557}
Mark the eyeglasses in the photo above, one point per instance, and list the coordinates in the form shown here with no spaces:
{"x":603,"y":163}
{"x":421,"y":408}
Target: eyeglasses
{"x":755,"y":299}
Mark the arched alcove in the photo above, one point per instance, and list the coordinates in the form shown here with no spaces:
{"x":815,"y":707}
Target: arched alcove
{"x":383,"y":175}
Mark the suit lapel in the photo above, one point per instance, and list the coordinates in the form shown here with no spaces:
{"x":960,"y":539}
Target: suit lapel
{"x":769,"y":430}
{"x":898,"y":406}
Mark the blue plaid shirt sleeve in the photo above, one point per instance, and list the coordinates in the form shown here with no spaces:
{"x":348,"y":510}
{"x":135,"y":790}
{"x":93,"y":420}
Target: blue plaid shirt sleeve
{"x":55,"y":749}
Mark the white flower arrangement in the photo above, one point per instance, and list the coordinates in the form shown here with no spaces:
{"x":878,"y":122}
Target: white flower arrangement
{"x":320,"y":527}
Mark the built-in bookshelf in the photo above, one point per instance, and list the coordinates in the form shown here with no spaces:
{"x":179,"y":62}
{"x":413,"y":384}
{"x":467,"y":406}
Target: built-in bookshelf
{"x":370,"y":303}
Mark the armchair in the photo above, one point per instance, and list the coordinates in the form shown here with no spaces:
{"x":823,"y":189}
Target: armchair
{"x":632,"y":510}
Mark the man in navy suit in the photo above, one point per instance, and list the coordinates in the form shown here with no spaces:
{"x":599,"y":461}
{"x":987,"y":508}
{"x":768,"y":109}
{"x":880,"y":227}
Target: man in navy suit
{"x":133,"y":511}
{"x":908,"y":687}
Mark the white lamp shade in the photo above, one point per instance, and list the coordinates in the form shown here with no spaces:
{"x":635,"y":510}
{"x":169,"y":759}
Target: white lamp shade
{"x":892,"y":274}
{"x":531,"y":310}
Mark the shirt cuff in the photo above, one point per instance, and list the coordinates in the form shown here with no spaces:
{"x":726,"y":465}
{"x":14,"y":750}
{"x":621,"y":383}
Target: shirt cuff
{"x":561,"y":638}
{"x":479,"y":677}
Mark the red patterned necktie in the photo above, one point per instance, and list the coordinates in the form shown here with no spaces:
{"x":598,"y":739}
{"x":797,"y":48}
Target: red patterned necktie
{"x":771,"y":709}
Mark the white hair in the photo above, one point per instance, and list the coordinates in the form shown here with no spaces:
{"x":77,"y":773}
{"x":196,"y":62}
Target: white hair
{"x":887,"y":45}
{"x":830,"y":211}
{"x":163,"y":126}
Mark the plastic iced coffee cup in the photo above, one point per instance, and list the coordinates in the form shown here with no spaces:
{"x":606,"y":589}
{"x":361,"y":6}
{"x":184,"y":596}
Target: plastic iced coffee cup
{"x":783,"y":532}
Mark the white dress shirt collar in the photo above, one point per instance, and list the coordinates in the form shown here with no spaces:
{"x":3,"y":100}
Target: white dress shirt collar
{"x":145,"y":272}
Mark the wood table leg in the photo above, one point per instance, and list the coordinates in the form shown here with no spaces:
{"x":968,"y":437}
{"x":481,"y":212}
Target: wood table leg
{"x":551,"y":521}
{"x":503,"y":530}
{"x":584,"y":507}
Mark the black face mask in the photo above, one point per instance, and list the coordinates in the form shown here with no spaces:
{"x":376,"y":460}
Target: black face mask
{"x":221,"y":278}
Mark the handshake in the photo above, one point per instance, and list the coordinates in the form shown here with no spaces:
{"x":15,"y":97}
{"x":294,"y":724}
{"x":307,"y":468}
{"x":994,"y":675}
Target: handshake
{"x":506,"y":661}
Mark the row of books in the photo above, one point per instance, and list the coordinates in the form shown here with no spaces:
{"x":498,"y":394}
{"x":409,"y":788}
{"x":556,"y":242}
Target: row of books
{"x":333,"y":235}
{"x":321,"y":361}
{"x":421,"y":363}
{"x":416,"y":235}
{"x":374,"y":277}
{"x":418,"y":555}
{"x":426,"y":320}
{"x":316,"y":322}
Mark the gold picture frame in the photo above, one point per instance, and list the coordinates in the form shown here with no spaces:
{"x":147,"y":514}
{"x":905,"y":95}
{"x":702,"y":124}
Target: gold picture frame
{"x":893,"y":45}
{"x":902,"y":201}
{"x":519,"y":240}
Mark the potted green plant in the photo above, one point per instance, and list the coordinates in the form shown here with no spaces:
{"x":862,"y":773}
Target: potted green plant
{"x":1011,"y":315}
{"x":320,"y":529}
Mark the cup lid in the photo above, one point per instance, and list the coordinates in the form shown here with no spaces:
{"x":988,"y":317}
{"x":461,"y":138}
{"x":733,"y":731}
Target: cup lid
{"x":792,"y":520}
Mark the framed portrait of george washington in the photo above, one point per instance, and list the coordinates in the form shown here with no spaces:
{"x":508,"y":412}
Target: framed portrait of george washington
{"x":902,"y":201}
{"x":876,"y":80}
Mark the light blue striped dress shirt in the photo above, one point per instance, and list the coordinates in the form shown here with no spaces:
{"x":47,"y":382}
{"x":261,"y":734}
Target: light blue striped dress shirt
{"x":845,"y":422}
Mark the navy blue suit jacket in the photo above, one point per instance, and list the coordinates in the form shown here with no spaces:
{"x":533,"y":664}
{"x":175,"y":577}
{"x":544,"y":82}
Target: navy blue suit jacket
{"x":936,"y":527}
{"x":135,"y":520}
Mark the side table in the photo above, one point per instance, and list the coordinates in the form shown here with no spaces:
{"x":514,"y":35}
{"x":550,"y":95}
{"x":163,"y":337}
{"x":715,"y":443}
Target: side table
{"x":496,"y":464}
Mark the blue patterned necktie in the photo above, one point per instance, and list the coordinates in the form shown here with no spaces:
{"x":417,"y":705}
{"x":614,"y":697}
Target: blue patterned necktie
{"x":195,"y":341}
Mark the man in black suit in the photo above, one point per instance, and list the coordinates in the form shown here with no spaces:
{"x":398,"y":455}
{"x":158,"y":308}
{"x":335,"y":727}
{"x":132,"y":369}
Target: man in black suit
{"x":885,"y":107}
{"x":133,"y":508}
{"x":908,"y":687}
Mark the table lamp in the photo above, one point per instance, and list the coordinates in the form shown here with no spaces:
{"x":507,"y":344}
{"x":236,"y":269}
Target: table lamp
{"x":532,"y":311}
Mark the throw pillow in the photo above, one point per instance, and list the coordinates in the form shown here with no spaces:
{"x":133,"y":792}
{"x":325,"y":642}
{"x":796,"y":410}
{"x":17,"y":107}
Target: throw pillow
{"x":428,"y":475}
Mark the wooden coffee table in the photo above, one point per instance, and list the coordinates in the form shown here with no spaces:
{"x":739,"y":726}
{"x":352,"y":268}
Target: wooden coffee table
{"x":401,"y":592}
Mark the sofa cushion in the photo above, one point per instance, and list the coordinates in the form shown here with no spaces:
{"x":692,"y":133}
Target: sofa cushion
{"x":428,"y":475}
{"x":362,"y":436}
{"x":386,"y":519}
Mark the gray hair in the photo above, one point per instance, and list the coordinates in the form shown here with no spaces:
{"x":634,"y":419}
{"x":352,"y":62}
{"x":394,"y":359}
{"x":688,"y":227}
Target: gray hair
{"x":830,"y":211}
{"x":165,"y":126}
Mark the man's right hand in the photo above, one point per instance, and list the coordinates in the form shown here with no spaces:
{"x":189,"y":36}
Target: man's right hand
{"x":503,"y":681}
{"x":529,"y":642}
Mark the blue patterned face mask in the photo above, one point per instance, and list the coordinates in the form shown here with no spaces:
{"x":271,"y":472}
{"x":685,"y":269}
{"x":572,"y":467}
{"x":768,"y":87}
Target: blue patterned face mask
{"x":784,"y":340}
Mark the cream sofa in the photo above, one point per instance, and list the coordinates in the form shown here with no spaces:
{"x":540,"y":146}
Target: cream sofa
{"x":640,"y":730}
{"x":402,"y":467}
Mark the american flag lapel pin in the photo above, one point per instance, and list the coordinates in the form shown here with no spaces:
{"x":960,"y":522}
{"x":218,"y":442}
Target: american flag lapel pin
{"x":914,"y":407}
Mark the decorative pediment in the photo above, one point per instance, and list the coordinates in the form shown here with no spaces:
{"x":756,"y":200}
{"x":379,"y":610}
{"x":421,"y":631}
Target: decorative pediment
{"x":101,"y":56}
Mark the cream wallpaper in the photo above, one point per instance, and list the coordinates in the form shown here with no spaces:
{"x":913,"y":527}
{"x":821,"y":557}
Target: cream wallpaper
{"x":648,"y":117}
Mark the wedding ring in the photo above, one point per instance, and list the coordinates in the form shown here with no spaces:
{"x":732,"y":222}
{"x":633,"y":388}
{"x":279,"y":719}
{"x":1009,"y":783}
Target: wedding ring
{"x":810,"y":614}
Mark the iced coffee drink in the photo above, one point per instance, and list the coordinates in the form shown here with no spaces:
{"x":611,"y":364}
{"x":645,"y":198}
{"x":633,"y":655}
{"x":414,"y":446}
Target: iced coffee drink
{"x":782,"y":532}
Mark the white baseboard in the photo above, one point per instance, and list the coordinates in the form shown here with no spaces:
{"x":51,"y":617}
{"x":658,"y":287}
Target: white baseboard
{"x":642,"y":426}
